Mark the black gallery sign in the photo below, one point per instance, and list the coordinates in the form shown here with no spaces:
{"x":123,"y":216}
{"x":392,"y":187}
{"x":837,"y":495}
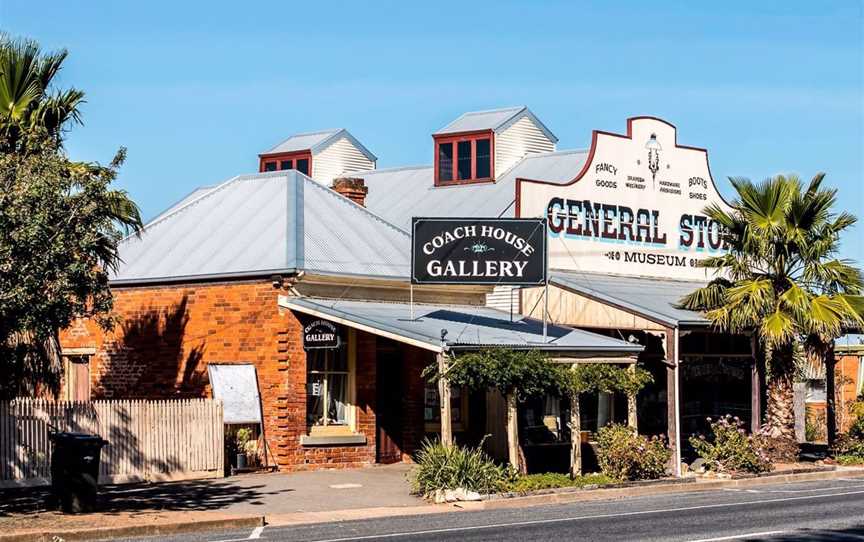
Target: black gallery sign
{"x":320,"y":334}
{"x":478,"y":251}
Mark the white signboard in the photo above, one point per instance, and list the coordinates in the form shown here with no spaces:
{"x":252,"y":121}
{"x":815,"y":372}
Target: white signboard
{"x":236,"y":385}
{"x":636,"y":208}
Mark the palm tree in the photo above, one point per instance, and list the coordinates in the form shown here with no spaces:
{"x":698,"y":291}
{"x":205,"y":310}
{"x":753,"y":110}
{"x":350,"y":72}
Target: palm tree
{"x":780,"y":278}
{"x":31,"y":111}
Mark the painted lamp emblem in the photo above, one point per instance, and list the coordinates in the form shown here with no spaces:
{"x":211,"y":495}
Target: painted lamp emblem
{"x":654,"y":149}
{"x":480,"y":248}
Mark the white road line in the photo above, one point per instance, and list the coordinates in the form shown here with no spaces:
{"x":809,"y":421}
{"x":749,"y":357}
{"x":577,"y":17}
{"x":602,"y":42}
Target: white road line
{"x":739,"y":536}
{"x":254,"y":535}
{"x":580,"y":518}
{"x":811,"y":490}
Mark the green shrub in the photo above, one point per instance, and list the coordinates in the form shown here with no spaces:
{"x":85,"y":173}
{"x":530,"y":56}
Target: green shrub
{"x":440,"y":467}
{"x":550,"y":480}
{"x":856,"y":430}
{"x":730,"y":449}
{"x":845,"y":459}
{"x":623,"y":454}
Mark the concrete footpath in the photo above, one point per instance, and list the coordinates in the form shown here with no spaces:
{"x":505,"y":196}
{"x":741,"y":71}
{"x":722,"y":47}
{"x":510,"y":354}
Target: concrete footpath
{"x":329,"y":496}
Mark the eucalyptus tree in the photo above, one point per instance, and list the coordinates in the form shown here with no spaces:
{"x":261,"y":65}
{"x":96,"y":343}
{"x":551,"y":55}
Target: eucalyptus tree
{"x":781,"y":278}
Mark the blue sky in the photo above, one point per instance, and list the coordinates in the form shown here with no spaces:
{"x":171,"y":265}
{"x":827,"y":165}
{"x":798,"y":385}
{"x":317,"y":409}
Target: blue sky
{"x":195,"y":92}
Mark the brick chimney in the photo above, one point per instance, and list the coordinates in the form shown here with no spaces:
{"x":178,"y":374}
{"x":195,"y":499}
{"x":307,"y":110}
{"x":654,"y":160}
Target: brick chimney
{"x":353,"y":188}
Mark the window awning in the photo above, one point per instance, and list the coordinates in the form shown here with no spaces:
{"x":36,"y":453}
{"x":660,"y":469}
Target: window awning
{"x":463,"y":327}
{"x":652,"y":298}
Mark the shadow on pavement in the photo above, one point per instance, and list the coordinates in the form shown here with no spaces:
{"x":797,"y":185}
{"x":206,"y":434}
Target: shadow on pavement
{"x":197,"y":495}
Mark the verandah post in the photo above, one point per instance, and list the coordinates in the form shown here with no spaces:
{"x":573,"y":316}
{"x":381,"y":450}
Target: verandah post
{"x":512,"y":430}
{"x":444,"y":396}
{"x":632,"y":416}
{"x":575,"y":437}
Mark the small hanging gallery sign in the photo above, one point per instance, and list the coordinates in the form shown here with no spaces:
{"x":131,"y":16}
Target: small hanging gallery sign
{"x":320,"y":334}
{"x":478,"y":251}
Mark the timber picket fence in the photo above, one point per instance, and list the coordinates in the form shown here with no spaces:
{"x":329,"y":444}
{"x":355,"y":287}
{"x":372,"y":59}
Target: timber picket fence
{"x":148,"y":440}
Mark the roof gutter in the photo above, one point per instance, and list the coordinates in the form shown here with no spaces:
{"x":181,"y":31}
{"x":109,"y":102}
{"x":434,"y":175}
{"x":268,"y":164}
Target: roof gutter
{"x":155,"y":281}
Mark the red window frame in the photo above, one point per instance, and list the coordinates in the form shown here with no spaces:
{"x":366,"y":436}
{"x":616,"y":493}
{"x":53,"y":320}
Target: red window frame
{"x":455,"y":139}
{"x":278,"y":158}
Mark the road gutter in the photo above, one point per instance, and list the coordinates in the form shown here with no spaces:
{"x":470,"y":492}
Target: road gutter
{"x":151,"y":529}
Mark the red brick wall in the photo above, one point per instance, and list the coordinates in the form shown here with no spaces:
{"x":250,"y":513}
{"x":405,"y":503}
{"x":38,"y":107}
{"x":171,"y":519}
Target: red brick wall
{"x":166,"y":336}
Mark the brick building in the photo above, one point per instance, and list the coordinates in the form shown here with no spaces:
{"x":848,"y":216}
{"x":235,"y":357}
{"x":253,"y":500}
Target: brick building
{"x":231,"y":276}
{"x":233,"y":273}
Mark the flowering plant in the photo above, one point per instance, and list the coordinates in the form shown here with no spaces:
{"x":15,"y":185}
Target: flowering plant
{"x":624,"y":454}
{"x":730,"y":449}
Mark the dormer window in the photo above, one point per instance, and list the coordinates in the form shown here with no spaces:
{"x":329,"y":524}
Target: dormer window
{"x":323,"y":156}
{"x":463,"y":158}
{"x":285,"y":161}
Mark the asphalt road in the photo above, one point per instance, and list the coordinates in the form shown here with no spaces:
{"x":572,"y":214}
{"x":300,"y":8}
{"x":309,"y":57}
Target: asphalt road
{"x":826,"y":510}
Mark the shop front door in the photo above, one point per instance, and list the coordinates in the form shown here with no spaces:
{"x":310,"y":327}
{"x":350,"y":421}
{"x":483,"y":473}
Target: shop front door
{"x":389,"y":407}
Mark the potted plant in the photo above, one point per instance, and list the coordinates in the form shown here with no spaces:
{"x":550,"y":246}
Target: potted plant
{"x":241,"y":439}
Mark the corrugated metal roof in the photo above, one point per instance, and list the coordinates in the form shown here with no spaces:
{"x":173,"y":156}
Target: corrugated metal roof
{"x":264,"y":223}
{"x":401,"y":193}
{"x":197,"y":193}
{"x":493,"y":119}
{"x":317,"y":142}
{"x":303,"y":142}
{"x":652,"y":298}
{"x":466,"y":326}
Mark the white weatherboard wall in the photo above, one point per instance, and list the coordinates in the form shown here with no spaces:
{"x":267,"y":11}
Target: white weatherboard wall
{"x":339,"y":158}
{"x":618,"y":176}
{"x":503,"y":298}
{"x":521,"y":138}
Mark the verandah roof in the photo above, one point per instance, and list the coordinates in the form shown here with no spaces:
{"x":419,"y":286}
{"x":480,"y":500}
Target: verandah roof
{"x":652,"y":298}
{"x":467,"y":327}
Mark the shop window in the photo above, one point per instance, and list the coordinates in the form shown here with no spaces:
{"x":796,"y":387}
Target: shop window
{"x":432,"y":409}
{"x":270,"y":166}
{"x":464,"y":159}
{"x":76,"y":378}
{"x":816,"y":392}
{"x":327,"y":387}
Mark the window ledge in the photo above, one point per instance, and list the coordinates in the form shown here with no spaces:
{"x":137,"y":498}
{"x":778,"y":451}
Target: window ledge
{"x":332,"y":440}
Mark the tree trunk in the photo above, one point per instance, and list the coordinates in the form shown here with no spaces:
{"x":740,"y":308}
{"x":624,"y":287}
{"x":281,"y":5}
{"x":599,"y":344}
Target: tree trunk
{"x":575,"y":437}
{"x":780,"y":410}
{"x":831,"y":398}
{"x":512,"y":431}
